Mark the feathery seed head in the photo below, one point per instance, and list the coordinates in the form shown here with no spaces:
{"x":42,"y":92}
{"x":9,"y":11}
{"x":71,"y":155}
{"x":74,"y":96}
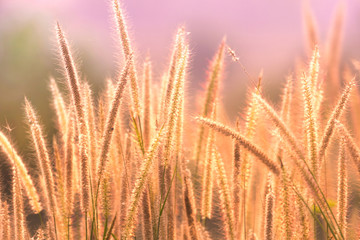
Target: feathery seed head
{"x":43,"y":157}
{"x":243,"y":141}
{"x":25,"y":177}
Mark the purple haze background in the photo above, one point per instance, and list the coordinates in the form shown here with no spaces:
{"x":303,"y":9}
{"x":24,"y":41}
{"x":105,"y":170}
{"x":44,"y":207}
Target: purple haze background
{"x":266,"y":35}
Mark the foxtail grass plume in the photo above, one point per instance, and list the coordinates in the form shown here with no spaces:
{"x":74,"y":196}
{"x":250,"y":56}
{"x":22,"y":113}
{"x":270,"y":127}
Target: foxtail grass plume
{"x":226,"y":200}
{"x":138,"y":190}
{"x":111,"y":117}
{"x":243,"y":141}
{"x":43,"y":158}
{"x":19,"y":219}
{"x":269,"y":214}
{"x":128,"y":52}
{"x":147,"y":102}
{"x":335,"y":115}
{"x":350,"y":144}
{"x":207,"y":182}
{"x":284,"y":130}
{"x":189,"y":204}
{"x":23,"y":174}
{"x":216,"y":69}
{"x":129,"y":165}
{"x":78,"y":101}
{"x":60,"y":108}
{"x":342,"y":189}
{"x":174,"y":67}
{"x":309,"y":84}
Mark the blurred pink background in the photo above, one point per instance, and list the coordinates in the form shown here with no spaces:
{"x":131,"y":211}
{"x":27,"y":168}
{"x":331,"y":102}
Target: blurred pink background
{"x":266,"y":35}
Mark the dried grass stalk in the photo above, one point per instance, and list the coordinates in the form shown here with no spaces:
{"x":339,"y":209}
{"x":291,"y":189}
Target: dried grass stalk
{"x":110,"y":119}
{"x":243,"y":141}
{"x":140,"y":185}
{"x":226,"y":200}
{"x":335,"y":115}
{"x":127,"y":50}
{"x":78,"y":101}
{"x":342,"y":189}
{"x":43,"y":157}
{"x":24,"y":176}
{"x":18,"y":208}
{"x":216,"y":69}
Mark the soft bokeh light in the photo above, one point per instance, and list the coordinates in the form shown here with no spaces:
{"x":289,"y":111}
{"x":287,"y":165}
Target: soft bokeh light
{"x":266,"y":35}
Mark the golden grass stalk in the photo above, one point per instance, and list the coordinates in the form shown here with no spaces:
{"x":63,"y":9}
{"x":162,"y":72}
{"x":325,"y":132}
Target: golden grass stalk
{"x":225,"y":197}
{"x":147,"y":102}
{"x":127,"y":50}
{"x":265,"y":191}
{"x":59,"y":183}
{"x":18,"y":208}
{"x":74,"y":86}
{"x":180,"y":126}
{"x":342,"y":189}
{"x":286,"y":214}
{"x":140,"y":185}
{"x":286,"y":100}
{"x":313,"y":73}
{"x":310,"y":115}
{"x":26,"y":180}
{"x":175,"y":101}
{"x":177,"y":154}
{"x":174,"y":67}
{"x":172,"y":125}
{"x":111,"y":117}
{"x":350,"y":143}
{"x":69,"y":156}
{"x":269,"y":214}
{"x":354,"y":101}
{"x":227,"y":131}
{"x":335,"y":115}
{"x":43,"y":157}
{"x":59,"y":174}
{"x":303,"y":220}
{"x":215,"y":69}
{"x":170,"y":202}
{"x":236,"y":183}
{"x":284,"y":130}
{"x":122,"y":29}
{"x":304,"y":169}
{"x":207,"y":180}
{"x":105,"y":194}
{"x":252,"y":115}
{"x":162,"y":192}
{"x":161,"y":105}
{"x":286,"y":207}
{"x":190,"y":204}
{"x":90,"y":121}
{"x":125,"y":185}
{"x":60,"y":108}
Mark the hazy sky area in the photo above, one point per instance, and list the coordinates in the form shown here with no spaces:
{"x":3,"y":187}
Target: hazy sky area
{"x":266,"y":35}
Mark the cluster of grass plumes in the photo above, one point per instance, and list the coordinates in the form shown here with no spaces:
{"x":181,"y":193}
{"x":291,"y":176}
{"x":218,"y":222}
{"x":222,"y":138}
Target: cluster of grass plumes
{"x":129,"y":169}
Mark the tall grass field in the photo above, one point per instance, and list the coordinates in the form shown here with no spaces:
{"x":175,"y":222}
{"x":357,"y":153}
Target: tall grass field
{"x":132,"y":163}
